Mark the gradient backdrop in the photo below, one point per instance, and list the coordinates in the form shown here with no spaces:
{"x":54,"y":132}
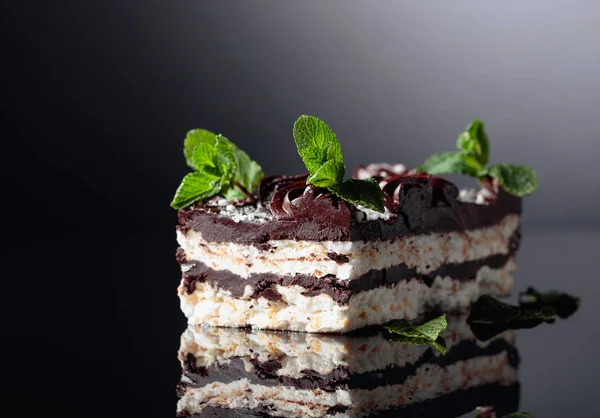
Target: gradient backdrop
{"x":97,"y":96}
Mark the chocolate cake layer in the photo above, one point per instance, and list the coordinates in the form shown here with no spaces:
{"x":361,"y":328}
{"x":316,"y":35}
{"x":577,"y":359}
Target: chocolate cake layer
{"x":341,"y":377}
{"x":416,"y":204}
{"x":339,"y":290}
{"x":504,"y":399}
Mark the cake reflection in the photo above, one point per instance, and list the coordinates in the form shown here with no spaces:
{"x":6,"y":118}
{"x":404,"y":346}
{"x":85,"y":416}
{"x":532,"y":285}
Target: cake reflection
{"x":246,"y":373}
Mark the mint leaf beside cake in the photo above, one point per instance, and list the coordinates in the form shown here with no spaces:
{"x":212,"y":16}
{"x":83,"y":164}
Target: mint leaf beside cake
{"x":319,"y":252}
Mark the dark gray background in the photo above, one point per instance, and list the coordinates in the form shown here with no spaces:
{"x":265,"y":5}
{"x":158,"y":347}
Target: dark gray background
{"x":96,"y":99}
{"x":110,"y":88}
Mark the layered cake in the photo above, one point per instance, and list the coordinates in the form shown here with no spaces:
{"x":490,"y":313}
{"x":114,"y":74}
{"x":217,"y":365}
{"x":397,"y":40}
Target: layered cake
{"x":318,"y":253}
{"x":253,"y":373}
{"x":301,"y":259}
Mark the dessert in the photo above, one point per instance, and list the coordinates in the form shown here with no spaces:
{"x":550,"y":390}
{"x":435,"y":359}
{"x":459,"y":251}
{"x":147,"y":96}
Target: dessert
{"x":319,"y":254}
{"x":232,"y":372}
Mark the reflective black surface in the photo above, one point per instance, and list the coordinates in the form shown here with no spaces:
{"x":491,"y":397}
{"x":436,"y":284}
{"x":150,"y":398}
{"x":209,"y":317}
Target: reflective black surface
{"x":103,"y":326}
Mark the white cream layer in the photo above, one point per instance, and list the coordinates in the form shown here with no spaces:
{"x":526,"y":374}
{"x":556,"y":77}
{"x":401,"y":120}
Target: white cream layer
{"x":322,"y":353}
{"x":426,"y":252}
{"x":296,"y":312}
{"x":428,"y":382}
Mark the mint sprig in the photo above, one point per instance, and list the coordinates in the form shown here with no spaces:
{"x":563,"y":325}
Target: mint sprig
{"x":515,"y":179}
{"x":425,"y":334}
{"x":489,"y":316}
{"x":471,"y":159}
{"x":220,"y":168}
{"x":474,"y":141}
{"x":322,"y":155}
{"x":564,"y":304}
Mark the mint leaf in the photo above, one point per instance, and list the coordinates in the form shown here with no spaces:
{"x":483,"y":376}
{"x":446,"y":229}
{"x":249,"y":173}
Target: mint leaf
{"x":438,"y":344}
{"x":233,"y":193}
{"x":427,"y":333}
{"x":518,"y":180}
{"x":473,"y":155}
{"x":216,"y":160}
{"x":564,"y":304}
{"x":320,"y":151}
{"x":489,"y":316}
{"x":221,"y":167}
{"x":195,"y":186}
{"x":248,"y":173}
{"x":452,"y":162}
{"x":518,"y":415}
{"x":216,"y":167}
{"x":194,"y":138}
{"x":366,"y":193}
{"x":429,"y":330}
{"x":489,"y":310}
{"x":322,"y":154}
{"x":475,"y":141}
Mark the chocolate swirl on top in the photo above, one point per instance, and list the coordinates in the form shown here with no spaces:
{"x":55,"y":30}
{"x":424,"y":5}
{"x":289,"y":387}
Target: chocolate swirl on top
{"x":290,"y":198}
{"x":431,"y":190}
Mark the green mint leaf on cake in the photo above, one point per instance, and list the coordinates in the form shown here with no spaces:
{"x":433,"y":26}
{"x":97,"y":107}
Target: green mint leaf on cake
{"x":475,"y":141}
{"x":489,"y":316}
{"x":215,"y":167}
{"x":195,"y":186}
{"x":322,"y":155}
{"x":471,"y":159}
{"x":426,"y":334}
{"x":452,"y":162}
{"x":361,"y":192}
{"x":220,"y":168}
{"x":194,"y":138}
{"x":515,"y":179}
{"x":216,"y":160}
{"x":248,"y":172}
{"x":320,"y":150}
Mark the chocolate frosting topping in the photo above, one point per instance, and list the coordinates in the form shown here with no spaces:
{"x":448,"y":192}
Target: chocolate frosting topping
{"x":415,"y":203}
{"x":290,"y":198}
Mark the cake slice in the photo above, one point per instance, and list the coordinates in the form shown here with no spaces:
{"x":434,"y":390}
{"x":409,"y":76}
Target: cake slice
{"x":231,"y":372}
{"x":304,"y":260}
{"x":319,"y":254}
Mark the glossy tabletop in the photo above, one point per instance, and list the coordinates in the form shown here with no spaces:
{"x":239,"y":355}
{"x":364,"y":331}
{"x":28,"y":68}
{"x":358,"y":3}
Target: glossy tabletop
{"x":104,"y":329}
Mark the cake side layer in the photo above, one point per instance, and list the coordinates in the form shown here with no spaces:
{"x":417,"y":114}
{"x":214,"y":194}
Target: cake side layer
{"x":262,"y":284}
{"x":295,"y":311}
{"x":428,"y":382}
{"x":348,"y":260}
{"x":272,"y":372}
